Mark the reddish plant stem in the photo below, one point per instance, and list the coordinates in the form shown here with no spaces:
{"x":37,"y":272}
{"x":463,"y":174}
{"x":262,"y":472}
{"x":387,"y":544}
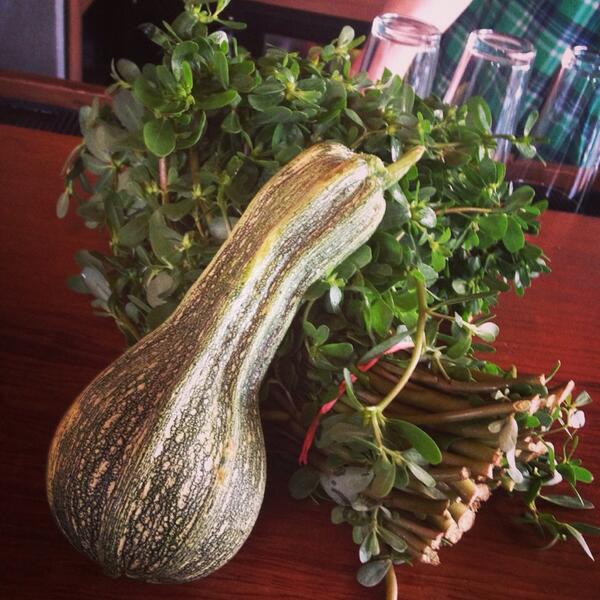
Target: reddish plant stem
{"x":163,"y":179}
{"x":391,"y":584}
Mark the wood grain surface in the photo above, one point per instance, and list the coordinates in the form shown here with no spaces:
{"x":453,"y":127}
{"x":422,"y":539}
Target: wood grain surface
{"x":52,"y":345}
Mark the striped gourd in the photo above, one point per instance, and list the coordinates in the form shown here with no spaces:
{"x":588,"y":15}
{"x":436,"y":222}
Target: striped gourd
{"x":157,"y":471}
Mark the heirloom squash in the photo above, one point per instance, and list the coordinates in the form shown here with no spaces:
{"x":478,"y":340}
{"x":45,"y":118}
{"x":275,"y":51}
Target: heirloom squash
{"x":157,"y":471}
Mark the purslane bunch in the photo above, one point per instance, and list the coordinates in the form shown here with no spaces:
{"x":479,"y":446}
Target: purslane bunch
{"x":405,"y":430}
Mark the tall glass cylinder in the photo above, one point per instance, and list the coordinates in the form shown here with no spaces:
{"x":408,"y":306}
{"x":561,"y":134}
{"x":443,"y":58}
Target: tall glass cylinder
{"x":404,"y":46}
{"x":496,"y":67}
{"x":570,"y":125}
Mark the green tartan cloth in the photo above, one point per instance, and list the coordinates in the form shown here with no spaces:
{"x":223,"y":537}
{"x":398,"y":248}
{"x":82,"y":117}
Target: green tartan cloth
{"x":550,"y":25}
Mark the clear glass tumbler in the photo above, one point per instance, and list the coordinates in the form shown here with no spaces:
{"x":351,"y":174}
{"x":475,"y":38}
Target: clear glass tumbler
{"x":570,"y":125}
{"x":406,"y":47}
{"x":496,"y":67}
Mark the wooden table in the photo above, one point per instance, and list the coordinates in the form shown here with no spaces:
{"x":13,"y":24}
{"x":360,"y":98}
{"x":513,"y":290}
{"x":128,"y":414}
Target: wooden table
{"x":52,"y":346}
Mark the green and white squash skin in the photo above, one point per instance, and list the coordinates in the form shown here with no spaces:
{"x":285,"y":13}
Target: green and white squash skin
{"x":157,"y":471}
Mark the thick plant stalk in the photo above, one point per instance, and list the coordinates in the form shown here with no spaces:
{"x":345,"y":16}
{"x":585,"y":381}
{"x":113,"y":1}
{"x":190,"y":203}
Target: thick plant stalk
{"x":446,"y":474}
{"x":478,"y":451}
{"x":391,"y":584}
{"x":463,"y":515}
{"x":415,"y":395}
{"x":479,"y":412}
{"x":460,"y":388}
{"x":418,"y":543}
{"x":477,"y":467}
{"x":426,"y":506}
{"x":465,"y":420}
{"x":468,"y":491}
{"x":448,"y":525}
{"x":424,"y":532}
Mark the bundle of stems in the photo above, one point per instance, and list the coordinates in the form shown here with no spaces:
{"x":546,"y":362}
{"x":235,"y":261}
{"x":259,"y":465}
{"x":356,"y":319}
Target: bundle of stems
{"x":407,"y":511}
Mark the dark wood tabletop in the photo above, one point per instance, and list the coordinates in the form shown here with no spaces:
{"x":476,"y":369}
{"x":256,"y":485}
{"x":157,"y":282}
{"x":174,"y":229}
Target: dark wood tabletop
{"x":52,"y":345}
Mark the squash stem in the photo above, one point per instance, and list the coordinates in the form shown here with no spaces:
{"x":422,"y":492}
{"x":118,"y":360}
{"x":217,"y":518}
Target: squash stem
{"x":417,"y":351}
{"x":397,"y":170}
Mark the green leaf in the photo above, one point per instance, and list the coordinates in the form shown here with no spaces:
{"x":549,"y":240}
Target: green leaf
{"x":175,"y":211}
{"x":218,"y":100}
{"x":381,"y":317}
{"x":187,"y":77}
{"x":361,"y":257}
{"x":521,"y":197}
{"x":265,"y":97}
{"x":401,"y":336}
{"x":147,"y":93}
{"x":341,"y":350}
{"x":103,"y":140}
{"x":337,"y":515}
{"x":495,"y":225}
{"x":128,"y":70}
{"x":566,"y":470}
{"x":513,"y":239}
{"x":576,"y":534}
{"x":567,"y":501}
{"x":276,"y":114}
{"x":183,"y":52}
{"x":128,"y":110}
{"x":231,"y":123}
{"x":62,"y":205}
{"x":371,"y":573}
{"x":303,"y":482}
{"x":134,"y":232}
{"x":77,"y":284}
{"x":461,"y":346}
{"x":406,"y":98}
{"x":402,"y":477}
{"x":527,"y":150}
{"x":309,"y":329}
{"x":384,"y":476}
{"x":196,"y":131}
{"x":159,"y":137}
{"x":582,"y":399}
{"x":393,"y":540}
{"x":221,"y":69}
{"x":533,"y":490}
{"x":321,"y":334}
{"x":352,"y":400}
{"x":420,"y":441}
{"x":532,"y":117}
{"x":582,"y":474}
{"x":421,"y":474}
{"x":479,"y":116}
{"x":427,"y":217}
{"x":397,"y":211}
{"x":365,"y":551}
{"x":164,"y":241}
{"x":316,"y":290}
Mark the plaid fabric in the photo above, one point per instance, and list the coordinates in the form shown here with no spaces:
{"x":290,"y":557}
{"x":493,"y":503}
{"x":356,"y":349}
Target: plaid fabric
{"x":550,"y":25}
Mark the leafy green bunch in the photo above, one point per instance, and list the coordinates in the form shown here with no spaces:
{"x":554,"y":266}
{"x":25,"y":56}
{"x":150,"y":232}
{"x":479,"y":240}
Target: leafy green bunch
{"x":170,"y":166}
{"x":171,"y":163}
